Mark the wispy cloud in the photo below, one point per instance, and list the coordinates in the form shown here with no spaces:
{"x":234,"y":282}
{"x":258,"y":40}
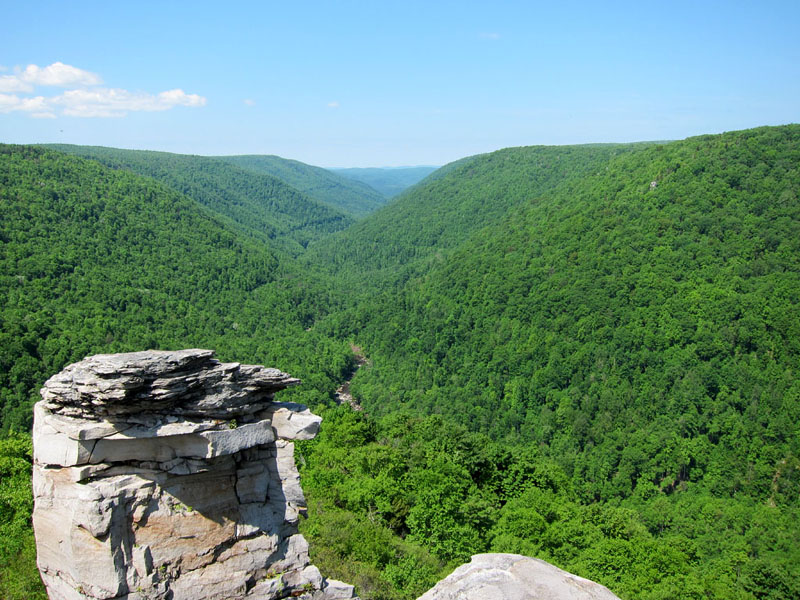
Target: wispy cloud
{"x":12,"y":102}
{"x":104,"y":102}
{"x":12,"y":83}
{"x":333,"y":104}
{"x":249,"y":102}
{"x":59,"y":75}
{"x":492,"y":35}
{"x":84,"y":98}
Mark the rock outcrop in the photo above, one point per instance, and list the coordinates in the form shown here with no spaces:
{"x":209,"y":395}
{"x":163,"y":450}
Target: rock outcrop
{"x":514,"y":577}
{"x":171,"y":475}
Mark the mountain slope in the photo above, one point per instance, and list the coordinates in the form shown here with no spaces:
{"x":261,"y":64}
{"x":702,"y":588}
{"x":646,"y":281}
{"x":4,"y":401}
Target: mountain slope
{"x":615,"y":298}
{"x":585,"y":354}
{"x":260,"y":205}
{"x":636,"y":325}
{"x":102,"y":260}
{"x":436,"y":216}
{"x":388,"y":181}
{"x":352,"y":197}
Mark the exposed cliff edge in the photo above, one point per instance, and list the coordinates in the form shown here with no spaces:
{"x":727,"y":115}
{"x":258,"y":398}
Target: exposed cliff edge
{"x":514,"y":577}
{"x":171,"y":475}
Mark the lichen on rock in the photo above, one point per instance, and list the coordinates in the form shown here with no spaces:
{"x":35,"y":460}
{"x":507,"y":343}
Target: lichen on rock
{"x":171,"y":475}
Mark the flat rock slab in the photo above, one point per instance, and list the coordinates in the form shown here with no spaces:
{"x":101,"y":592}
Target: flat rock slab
{"x":137,"y":386}
{"x":514,"y":577}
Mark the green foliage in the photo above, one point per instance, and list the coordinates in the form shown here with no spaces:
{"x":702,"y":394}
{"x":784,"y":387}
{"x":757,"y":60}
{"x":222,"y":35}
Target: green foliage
{"x":349,"y":196}
{"x":642,"y":337}
{"x":256,"y":203}
{"x":585,"y":354}
{"x":645,"y":338}
{"x":101,"y":260}
{"x":450,"y":493}
{"x":19,"y":578}
{"x":16,"y":502}
{"x":352,"y":547}
{"x":417,"y":232}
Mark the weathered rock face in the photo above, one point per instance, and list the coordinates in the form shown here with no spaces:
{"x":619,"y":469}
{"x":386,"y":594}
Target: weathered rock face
{"x":514,"y":577}
{"x":171,"y":475}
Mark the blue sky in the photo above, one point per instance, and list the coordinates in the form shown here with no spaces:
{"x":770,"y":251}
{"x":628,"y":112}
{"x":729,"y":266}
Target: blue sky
{"x":400,"y":83}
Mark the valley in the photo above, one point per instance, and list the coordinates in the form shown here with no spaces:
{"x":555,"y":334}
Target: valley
{"x":586,"y":354}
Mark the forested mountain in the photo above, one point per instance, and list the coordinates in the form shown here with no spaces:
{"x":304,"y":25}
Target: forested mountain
{"x":261,"y":205}
{"x":691,"y":246}
{"x":101,"y":260}
{"x":442,"y":212}
{"x":389,"y":181}
{"x":587,"y":354}
{"x":348,"y":195}
{"x":635,"y":323}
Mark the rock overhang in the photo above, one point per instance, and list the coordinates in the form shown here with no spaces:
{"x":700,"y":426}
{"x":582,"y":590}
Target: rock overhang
{"x":156,"y":469}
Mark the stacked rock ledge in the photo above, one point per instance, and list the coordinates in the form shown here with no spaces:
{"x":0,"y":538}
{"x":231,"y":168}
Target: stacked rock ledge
{"x":171,"y":475}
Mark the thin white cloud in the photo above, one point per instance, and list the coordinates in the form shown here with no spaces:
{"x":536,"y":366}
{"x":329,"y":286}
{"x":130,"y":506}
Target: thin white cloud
{"x":85,"y":98}
{"x":7,"y":101}
{"x":333,"y":104}
{"x":491,"y":35}
{"x":12,"y":83}
{"x":12,"y":102}
{"x":105,"y":102}
{"x":249,"y":102}
{"x":59,"y":75}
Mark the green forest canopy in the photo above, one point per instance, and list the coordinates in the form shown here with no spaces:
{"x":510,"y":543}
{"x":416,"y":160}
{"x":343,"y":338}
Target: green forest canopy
{"x":586,"y":354}
{"x":260,"y":205}
{"x":350,"y":196}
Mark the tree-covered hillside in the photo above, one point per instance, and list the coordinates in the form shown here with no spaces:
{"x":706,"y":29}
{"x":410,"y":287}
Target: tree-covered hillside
{"x":95,"y":259}
{"x":675,"y":270}
{"x":587,"y":354}
{"x":351,"y":197}
{"x":637,"y":324}
{"x":389,"y":181}
{"x":434,"y":218}
{"x":262,"y":206}
{"x":101,"y":260}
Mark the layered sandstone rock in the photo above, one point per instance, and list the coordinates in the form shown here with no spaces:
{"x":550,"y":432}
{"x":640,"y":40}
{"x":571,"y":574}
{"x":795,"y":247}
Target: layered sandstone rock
{"x":171,"y":475}
{"x":514,"y":577}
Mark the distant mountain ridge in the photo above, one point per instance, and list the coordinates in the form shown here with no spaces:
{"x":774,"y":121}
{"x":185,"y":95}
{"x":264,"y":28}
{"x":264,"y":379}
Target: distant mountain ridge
{"x":455,"y":201}
{"x":389,"y":181}
{"x":261,"y":205}
{"x":352,"y":197}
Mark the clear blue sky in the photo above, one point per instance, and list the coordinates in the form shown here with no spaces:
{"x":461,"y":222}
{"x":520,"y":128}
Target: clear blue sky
{"x":401,"y":83}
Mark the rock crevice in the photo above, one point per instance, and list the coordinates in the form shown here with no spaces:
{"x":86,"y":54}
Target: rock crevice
{"x":171,"y":475}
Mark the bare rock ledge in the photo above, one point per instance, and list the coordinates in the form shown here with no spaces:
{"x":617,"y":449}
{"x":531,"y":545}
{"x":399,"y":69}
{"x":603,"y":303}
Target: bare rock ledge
{"x":171,"y":475}
{"x":514,"y":577}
